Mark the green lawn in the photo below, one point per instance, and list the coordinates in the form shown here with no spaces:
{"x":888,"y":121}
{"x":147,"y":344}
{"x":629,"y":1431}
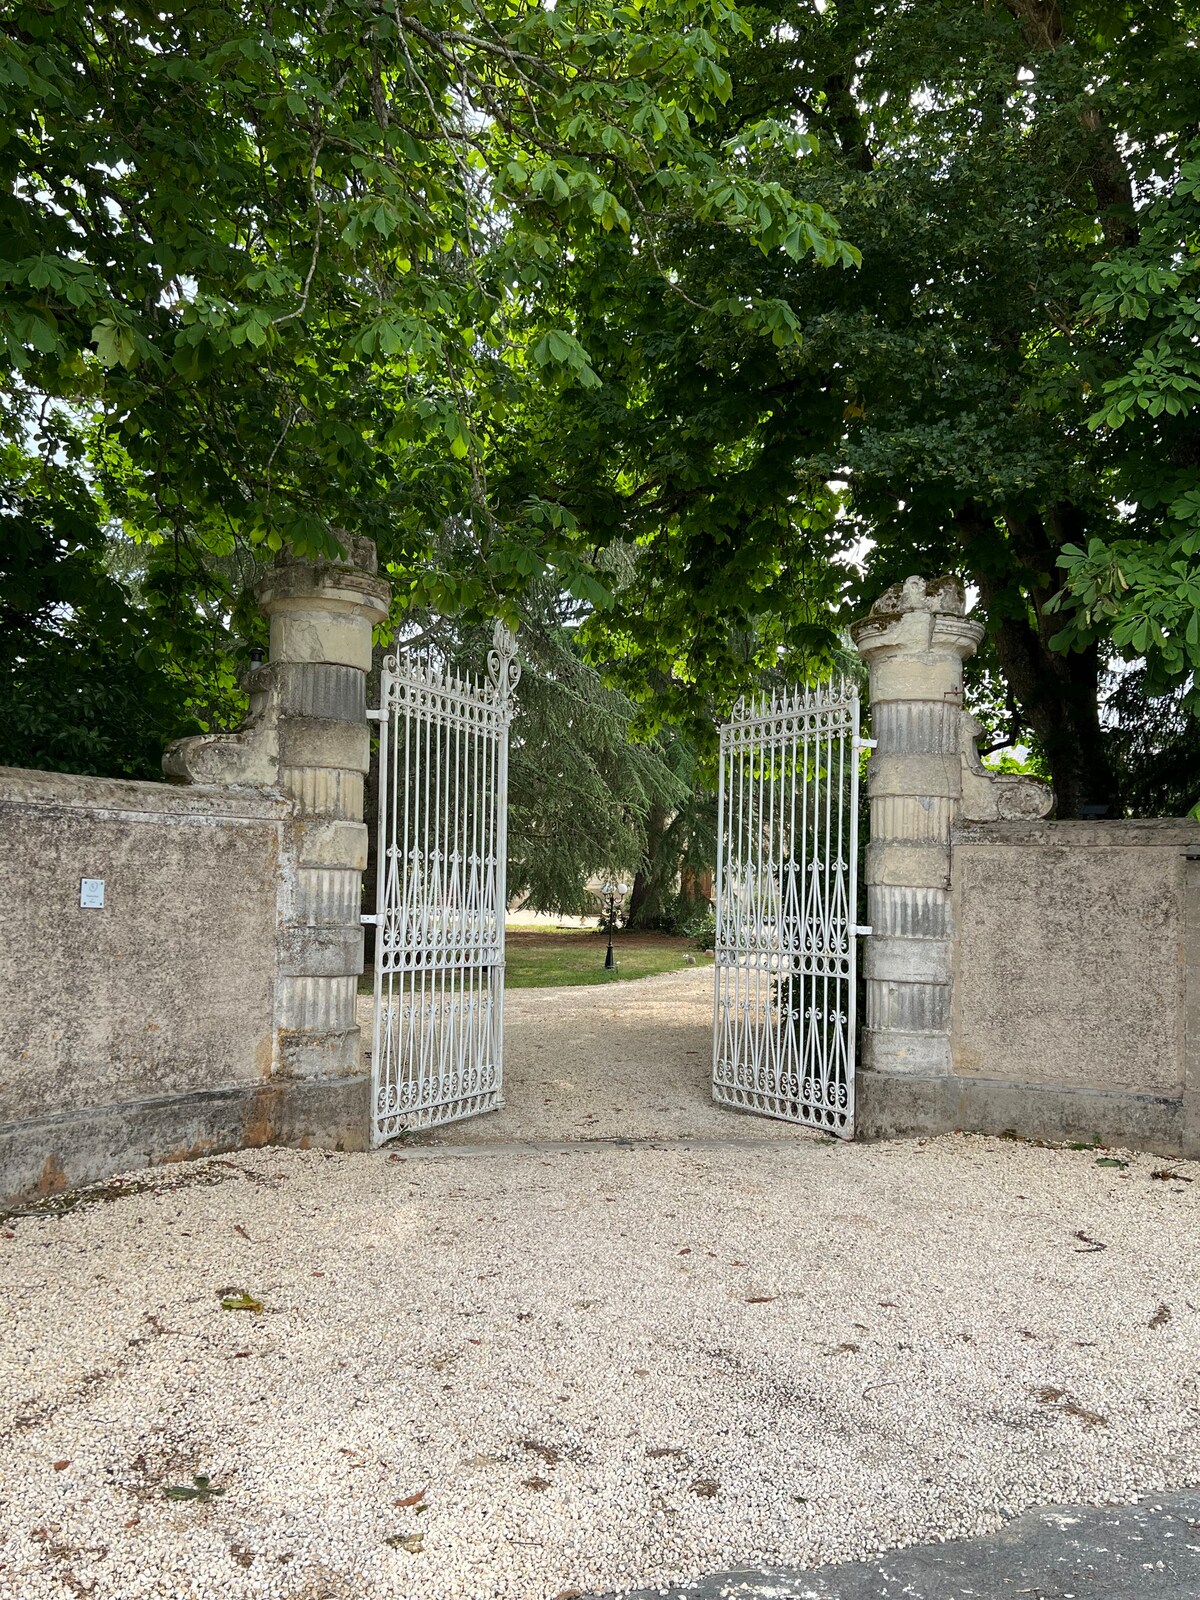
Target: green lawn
{"x":537,"y":959}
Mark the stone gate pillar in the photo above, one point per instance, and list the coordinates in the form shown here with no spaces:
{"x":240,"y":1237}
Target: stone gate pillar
{"x":925,"y":777}
{"x":321,"y":617}
{"x":307,"y":735}
{"x":914,"y":641}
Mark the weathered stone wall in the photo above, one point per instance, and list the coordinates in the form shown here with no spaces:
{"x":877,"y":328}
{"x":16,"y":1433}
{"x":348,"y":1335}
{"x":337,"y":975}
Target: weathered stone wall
{"x":1026,"y":975}
{"x":166,"y":991}
{"x":210,"y":1002}
{"x":1071,"y":973}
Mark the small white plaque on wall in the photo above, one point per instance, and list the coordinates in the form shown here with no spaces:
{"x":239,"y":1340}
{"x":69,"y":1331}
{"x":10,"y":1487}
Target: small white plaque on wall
{"x":91,"y":893}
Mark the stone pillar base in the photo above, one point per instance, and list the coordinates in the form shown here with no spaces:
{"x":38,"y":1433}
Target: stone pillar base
{"x":888,"y":1106}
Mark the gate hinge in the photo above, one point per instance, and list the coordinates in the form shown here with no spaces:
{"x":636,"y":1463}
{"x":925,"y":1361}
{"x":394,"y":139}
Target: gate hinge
{"x":369,"y":916}
{"x":376,"y":716}
{"x":865,"y":744}
{"x":863,"y":931}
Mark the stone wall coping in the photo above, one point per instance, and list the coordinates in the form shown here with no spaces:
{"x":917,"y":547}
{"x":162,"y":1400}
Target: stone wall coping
{"x":80,"y":792}
{"x":1118,"y":833}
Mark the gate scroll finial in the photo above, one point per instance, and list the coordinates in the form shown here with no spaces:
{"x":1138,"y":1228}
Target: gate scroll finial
{"x":503,"y":663}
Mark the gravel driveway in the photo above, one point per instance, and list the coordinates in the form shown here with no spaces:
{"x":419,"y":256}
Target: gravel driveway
{"x":482,"y":1373}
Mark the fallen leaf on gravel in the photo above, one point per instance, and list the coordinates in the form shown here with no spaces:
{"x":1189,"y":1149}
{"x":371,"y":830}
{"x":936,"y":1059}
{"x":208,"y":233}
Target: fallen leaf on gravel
{"x":547,"y":1454}
{"x":1110,"y":1161}
{"x":1092,"y":1245}
{"x":157,"y":1325}
{"x":411,"y":1542}
{"x":411,"y":1499}
{"x":686,"y":1251}
{"x":664,"y":1450}
{"x":760,"y":1299}
{"x":569,"y":1594}
{"x":843,"y":1349}
{"x":237,"y":1228}
{"x":1165,"y":1172}
{"x":706,"y":1488}
{"x":1092,"y":1418}
{"x":641,"y":1372}
{"x":537,"y":1483}
{"x":200,"y":1488}
{"x":60,"y":1466}
{"x":1161,"y":1316}
{"x":242,"y":1302}
{"x":1049,"y":1395}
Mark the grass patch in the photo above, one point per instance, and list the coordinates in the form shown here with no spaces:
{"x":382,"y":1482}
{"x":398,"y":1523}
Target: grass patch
{"x":535,"y":959}
{"x":540,"y":958}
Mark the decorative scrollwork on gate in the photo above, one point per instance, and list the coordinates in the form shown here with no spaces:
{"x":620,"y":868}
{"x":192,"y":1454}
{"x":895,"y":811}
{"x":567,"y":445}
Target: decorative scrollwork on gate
{"x":503,"y":663}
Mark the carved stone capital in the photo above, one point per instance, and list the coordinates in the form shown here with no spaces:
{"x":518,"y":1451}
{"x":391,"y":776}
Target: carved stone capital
{"x":918,"y":619}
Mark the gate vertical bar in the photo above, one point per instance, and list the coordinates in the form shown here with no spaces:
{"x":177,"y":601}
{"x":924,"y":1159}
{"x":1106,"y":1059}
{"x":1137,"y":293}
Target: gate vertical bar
{"x":501,"y":900}
{"x":384,"y":835}
{"x":857,"y":745}
{"x":719,"y":919}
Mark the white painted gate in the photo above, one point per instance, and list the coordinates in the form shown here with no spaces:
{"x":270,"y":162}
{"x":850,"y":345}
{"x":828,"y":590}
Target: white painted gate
{"x":438,"y":1046}
{"x":787,"y":881}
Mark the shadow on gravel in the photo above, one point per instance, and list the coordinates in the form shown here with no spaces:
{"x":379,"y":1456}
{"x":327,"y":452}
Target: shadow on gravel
{"x":1149,"y":1551}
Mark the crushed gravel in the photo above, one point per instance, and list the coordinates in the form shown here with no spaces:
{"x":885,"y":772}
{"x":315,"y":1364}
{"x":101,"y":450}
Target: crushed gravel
{"x":630,"y":1059}
{"x":594,"y":1370}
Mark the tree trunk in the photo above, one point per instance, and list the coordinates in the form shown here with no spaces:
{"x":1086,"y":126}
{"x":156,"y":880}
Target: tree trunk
{"x":1057,"y":693}
{"x":645,"y":897}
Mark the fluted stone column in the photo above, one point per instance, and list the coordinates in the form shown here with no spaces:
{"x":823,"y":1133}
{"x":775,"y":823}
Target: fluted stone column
{"x":914,"y":641}
{"x":321,"y":618}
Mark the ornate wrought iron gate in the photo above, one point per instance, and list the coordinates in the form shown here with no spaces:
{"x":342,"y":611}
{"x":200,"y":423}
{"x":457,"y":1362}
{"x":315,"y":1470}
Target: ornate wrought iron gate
{"x":787,"y":880}
{"x":438,"y":1051}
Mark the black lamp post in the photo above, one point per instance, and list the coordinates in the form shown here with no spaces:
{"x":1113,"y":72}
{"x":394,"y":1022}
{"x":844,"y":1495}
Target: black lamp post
{"x":611,"y":892}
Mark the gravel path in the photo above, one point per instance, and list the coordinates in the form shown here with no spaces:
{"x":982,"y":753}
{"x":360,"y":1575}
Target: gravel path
{"x":598,"y":1370}
{"x":631,"y":1059}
